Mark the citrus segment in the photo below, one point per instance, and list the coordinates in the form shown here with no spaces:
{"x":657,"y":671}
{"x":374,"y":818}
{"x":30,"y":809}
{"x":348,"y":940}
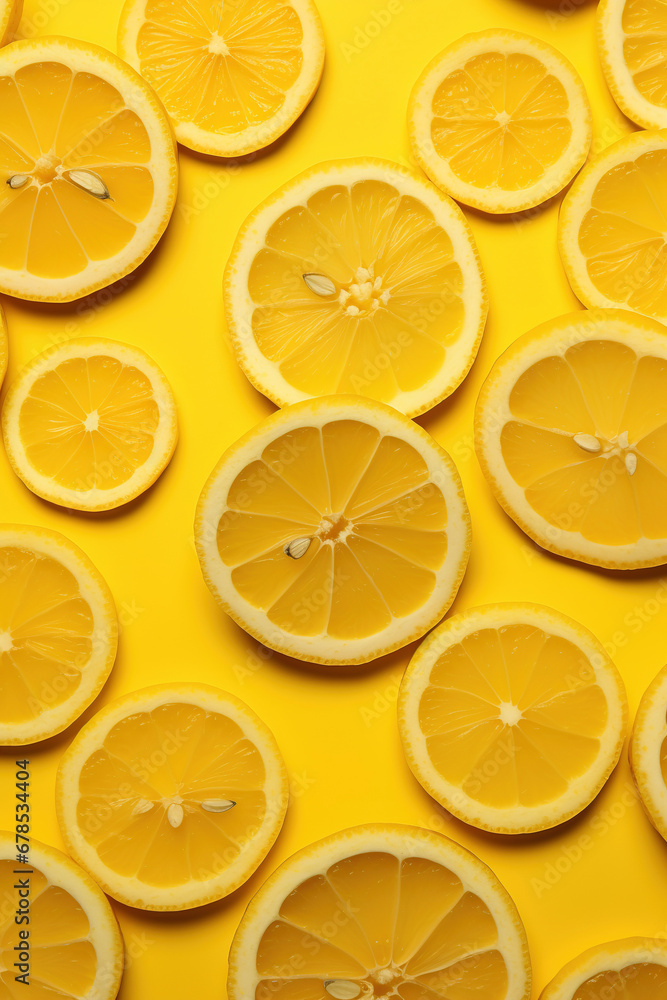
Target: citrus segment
{"x":357,"y":276}
{"x":90,"y":424}
{"x":73,"y":946}
{"x":381,"y":910}
{"x":334,"y":531}
{"x":233,"y":77}
{"x":88,"y":169}
{"x":632,"y":41}
{"x":632,"y":969}
{"x":58,"y":633}
{"x":172,"y":796}
{"x":613,"y":227}
{"x":571,"y":433}
{"x":10,"y":16}
{"x":648,"y":751}
{"x":512,"y":716}
{"x":500,"y":121}
{"x":3,"y":345}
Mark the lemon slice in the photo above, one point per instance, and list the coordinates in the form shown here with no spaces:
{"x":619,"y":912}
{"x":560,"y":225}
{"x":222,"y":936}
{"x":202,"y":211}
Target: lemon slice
{"x":172,"y":796}
{"x":500,"y":121}
{"x":512,"y":716}
{"x":3,"y":345}
{"x":335,"y":531}
{"x":88,"y":169}
{"x":613,"y":227}
{"x":10,"y":16}
{"x":58,"y":633}
{"x":648,"y":751}
{"x":571,"y":433}
{"x":632,"y":42}
{"x":74,"y":946}
{"x":232,"y":76}
{"x":90,"y":424}
{"x":381,"y":910}
{"x":357,"y":276}
{"x":632,"y":969}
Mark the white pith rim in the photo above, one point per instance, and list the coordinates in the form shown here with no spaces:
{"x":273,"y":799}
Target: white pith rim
{"x":317,"y":413}
{"x":611,"y":957}
{"x":130,"y":890}
{"x":610,"y":36}
{"x":649,"y":733}
{"x":553,"y":339}
{"x":104,"y":637}
{"x":255,"y":136}
{"x":519,"y":819}
{"x":496,"y":199}
{"x":10,"y":16}
{"x":84,"y":57}
{"x":164,"y":439}
{"x":103,"y":933}
{"x":577,"y":202}
{"x":402,"y":842}
{"x":239,"y":306}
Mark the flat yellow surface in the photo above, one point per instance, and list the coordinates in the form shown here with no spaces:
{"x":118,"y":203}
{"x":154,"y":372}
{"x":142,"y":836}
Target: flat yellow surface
{"x":604,"y":875}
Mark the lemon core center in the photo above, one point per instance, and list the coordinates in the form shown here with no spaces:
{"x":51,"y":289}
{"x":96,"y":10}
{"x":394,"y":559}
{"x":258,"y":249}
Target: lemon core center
{"x":46,"y":168}
{"x":6,"y":642}
{"x":365,"y":294}
{"x":509,"y":713}
{"x":217,"y":46}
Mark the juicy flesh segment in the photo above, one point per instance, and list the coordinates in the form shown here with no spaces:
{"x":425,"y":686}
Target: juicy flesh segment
{"x":46,"y":634}
{"x":501,"y":120}
{"x":387,"y":927}
{"x":89,"y":423}
{"x":63,"y":961}
{"x":150,"y":796}
{"x":395,"y":301}
{"x":375,"y":521}
{"x":56,"y":121}
{"x":610,"y":484}
{"x":644,"y":24}
{"x":623,"y":234}
{"x":663,"y":759}
{"x":639,"y":981}
{"x":223,"y":66}
{"x":512,"y":716}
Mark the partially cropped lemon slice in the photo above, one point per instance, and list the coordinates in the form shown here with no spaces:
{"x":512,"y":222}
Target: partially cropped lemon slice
{"x":72,"y":946}
{"x":571,"y":433}
{"x":335,"y":531}
{"x":357,"y":276}
{"x":612,"y":232}
{"x":632,"y":969}
{"x":88,"y":169}
{"x":632,"y":41}
{"x":172,"y":796}
{"x":90,"y":424}
{"x":3,"y":345}
{"x":380,"y":911}
{"x":58,"y":633}
{"x":500,"y":121}
{"x":512,"y":716}
{"x":233,"y":76}
{"x":10,"y":16}
{"x":648,"y":751}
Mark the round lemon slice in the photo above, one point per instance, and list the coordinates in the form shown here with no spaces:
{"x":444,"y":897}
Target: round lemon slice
{"x":90,"y":424}
{"x":632,"y":42}
{"x":512,"y":716}
{"x":571,"y":434}
{"x":648,"y":751}
{"x":357,"y":276}
{"x":335,"y":531}
{"x":500,"y":121}
{"x":381,"y":910}
{"x":632,"y":969}
{"x":71,"y":945}
{"x":172,"y":796}
{"x":88,"y":169}
{"x":10,"y":16}
{"x":232,"y":76}
{"x":612,"y":232}
{"x":58,"y":633}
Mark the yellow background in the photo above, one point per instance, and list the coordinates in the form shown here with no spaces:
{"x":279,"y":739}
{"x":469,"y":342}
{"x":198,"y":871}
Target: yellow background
{"x":337,"y":729}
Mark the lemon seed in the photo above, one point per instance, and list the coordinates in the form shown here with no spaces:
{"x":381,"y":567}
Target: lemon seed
{"x":218,"y":805}
{"x":17,"y":181}
{"x":142,"y":806}
{"x":631,"y":463}
{"x":90,"y":182}
{"x":298,"y":547}
{"x":175,"y":815}
{"x":342,"y":989}
{"x":320,"y":284}
{"x":587,"y":442}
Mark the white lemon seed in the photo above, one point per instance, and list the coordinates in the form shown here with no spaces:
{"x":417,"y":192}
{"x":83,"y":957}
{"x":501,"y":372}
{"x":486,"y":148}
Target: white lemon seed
{"x":218,"y":805}
{"x":588,"y":442}
{"x":298,"y":547}
{"x":90,"y":182}
{"x":631,"y":463}
{"x":17,"y":181}
{"x":342,"y":989}
{"x":175,"y":815}
{"x":320,"y":284}
{"x":142,"y":806}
